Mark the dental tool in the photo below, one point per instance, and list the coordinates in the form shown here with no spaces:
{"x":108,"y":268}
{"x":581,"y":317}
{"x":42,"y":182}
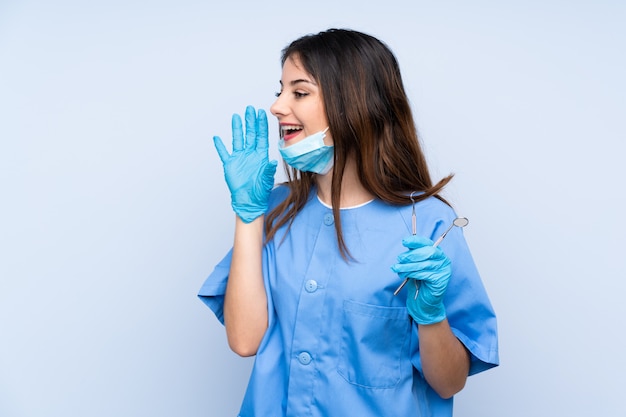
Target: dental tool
{"x":458,"y":222}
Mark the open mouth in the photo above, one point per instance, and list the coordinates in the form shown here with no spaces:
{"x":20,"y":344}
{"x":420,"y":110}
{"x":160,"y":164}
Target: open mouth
{"x":288,"y":132}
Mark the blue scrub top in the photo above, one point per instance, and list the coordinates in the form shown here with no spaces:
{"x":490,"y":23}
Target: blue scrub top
{"x":339,"y":343}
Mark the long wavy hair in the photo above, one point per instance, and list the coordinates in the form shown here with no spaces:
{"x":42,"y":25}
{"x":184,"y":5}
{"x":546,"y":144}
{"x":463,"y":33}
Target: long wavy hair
{"x":370,"y":119}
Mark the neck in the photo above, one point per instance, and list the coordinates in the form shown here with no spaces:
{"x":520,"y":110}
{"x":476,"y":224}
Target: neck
{"x":352,"y":191}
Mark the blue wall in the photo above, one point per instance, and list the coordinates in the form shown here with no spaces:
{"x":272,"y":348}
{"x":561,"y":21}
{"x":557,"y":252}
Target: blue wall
{"x":113,"y":208}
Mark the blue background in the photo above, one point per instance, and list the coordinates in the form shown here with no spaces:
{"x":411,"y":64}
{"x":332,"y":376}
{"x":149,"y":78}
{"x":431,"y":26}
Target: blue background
{"x":113,"y":208}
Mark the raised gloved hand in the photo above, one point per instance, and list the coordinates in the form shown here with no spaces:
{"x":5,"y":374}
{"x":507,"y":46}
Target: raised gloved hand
{"x":248,"y":171}
{"x":429,"y":269}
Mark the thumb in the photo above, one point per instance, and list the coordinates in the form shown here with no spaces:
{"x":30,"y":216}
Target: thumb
{"x":269,"y":171}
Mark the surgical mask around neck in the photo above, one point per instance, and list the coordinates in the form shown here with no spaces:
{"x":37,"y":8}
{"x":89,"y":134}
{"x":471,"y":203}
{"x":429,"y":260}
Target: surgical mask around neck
{"x":310,"y":154}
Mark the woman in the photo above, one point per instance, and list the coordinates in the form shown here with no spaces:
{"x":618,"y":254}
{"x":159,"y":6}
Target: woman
{"x":309,"y":283}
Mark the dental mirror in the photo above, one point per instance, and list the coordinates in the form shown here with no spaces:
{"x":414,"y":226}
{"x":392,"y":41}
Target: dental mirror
{"x":458,"y":222}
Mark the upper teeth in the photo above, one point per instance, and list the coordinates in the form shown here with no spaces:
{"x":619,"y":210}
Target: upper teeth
{"x":291,"y":127}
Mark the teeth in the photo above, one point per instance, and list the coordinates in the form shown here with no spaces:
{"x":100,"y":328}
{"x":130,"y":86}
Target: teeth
{"x":285,"y":128}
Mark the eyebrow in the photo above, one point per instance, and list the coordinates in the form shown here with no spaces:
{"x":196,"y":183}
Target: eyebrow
{"x":298,"y":81}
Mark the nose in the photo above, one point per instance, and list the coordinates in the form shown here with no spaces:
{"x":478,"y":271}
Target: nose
{"x":278,"y":109}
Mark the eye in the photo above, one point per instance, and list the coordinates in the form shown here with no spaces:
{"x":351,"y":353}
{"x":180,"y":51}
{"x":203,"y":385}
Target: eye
{"x":277,"y":94}
{"x":299,"y":94}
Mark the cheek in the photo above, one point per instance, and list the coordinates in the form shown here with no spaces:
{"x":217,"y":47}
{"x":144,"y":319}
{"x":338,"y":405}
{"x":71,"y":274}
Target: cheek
{"x":322,"y":120}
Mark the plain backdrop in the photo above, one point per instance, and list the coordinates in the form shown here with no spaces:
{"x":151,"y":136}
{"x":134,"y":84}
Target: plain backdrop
{"x":113,"y":208}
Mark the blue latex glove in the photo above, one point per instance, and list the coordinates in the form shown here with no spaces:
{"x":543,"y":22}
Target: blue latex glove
{"x":429,"y":269}
{"x":248,"y":171}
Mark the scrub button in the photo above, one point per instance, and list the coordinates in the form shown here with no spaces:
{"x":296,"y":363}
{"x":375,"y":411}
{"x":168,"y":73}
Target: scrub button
{"x":329,"y":219}
{"x":304,"y":358}
{"x":310,"y":285}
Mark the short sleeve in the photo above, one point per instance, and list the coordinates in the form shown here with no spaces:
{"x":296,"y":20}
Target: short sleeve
{"x":214,"y":287}
{"x":468,"y":308}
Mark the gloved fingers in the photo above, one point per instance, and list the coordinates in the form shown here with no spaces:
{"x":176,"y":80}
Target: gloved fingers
{"x":237,"y":133}
{"x":261,"y":131}
{"x":422,"y":275}
{"x":251,"y":122}
{"x":420,"y":267}
{"x":416,"y":241}
{"x":420,"y":254}
{"x":221,"y":149}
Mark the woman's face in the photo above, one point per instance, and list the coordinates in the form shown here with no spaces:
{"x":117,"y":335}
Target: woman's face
{"x":299,"y":107}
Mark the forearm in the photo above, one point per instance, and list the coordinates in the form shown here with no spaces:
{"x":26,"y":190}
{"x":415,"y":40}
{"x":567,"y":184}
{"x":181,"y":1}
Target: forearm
{"x":445,"y":361}
{"x":245,"y":303}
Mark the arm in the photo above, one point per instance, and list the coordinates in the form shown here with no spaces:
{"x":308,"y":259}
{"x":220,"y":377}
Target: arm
{"x":445,"y":361}
{"x":250,"y":178}
{"x":245,"y":303}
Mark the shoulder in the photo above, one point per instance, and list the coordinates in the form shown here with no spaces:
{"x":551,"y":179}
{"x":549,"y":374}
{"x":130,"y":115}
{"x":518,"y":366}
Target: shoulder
{"x":435,"y":205}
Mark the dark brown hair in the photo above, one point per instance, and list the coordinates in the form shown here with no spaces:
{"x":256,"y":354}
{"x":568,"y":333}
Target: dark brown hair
{"x":370,"y":120}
